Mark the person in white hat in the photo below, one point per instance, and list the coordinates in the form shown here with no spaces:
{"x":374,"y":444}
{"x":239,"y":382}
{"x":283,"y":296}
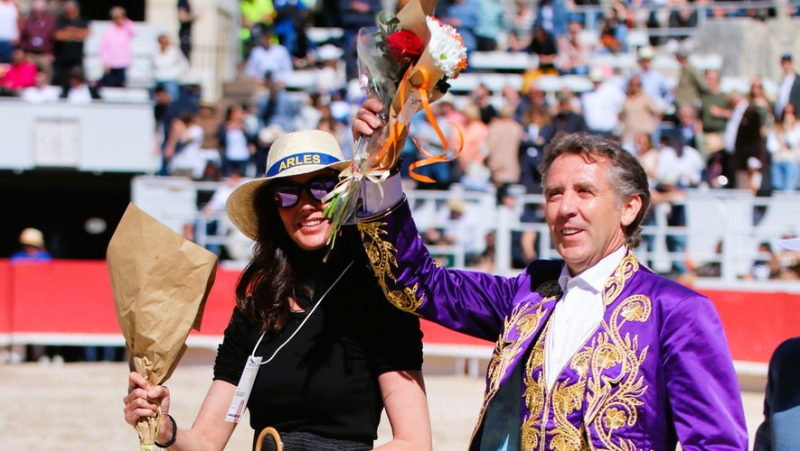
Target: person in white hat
{"x":32,"y":241}
{"x":333,"y":357}
{"x":653,"y":83}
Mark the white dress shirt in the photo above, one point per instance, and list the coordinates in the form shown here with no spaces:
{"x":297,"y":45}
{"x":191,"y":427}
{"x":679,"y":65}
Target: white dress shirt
{"x":275,"y":59}
{"x":602,"y":106}
{"x":578,"y":312}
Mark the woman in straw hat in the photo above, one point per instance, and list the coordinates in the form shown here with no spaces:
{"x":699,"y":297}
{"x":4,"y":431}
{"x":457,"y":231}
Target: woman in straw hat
{"x":330,"y":356}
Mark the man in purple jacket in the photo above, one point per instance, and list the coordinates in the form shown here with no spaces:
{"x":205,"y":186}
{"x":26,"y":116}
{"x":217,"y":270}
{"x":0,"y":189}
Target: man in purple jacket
{"x":595,"y":352}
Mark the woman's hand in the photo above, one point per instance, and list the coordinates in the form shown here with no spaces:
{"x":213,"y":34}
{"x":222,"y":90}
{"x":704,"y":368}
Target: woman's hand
{"x":143,"y":401}
{"x":367,"y":120}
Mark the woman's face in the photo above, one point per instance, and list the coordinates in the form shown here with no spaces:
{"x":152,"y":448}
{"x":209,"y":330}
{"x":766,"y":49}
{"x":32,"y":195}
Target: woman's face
{"x":303,"y":220}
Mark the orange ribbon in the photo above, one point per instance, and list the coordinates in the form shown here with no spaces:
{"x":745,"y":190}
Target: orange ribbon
{"x":432,"y":159}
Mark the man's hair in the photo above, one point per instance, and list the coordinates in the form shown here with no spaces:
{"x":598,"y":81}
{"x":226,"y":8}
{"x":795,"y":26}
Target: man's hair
{"x":626,"y":174}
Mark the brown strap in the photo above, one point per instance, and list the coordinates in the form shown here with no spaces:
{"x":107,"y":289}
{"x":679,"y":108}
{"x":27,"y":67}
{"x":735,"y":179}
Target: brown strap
{"x":275,"y":435}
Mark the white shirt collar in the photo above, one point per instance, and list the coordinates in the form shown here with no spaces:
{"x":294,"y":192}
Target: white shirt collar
{"x":595,"y":277}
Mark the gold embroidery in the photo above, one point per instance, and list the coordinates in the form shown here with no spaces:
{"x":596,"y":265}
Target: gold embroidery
{"x":614,"y":418}
{"x":524,"y":320}
{"x":610,"y":407}
{"x":616,"y":282}
{"x":382,"y":258}
{"x":549,"y":289}
{"x":606,"y":351}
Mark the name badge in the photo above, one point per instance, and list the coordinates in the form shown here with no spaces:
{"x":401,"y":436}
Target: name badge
{"x":243,"y":390}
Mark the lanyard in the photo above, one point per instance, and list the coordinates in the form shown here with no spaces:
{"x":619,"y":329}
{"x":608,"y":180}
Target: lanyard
{"x":242,"y":393}
{"x":253,"y":354}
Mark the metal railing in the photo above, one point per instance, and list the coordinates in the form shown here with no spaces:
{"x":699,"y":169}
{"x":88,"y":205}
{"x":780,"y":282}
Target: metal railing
{"x":719,"y":229}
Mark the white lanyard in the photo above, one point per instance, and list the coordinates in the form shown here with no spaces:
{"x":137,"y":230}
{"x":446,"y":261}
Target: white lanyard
{"x":254,"y":362}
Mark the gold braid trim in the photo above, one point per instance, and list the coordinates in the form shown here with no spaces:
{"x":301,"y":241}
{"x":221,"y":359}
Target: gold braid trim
{"x":382,"y":258}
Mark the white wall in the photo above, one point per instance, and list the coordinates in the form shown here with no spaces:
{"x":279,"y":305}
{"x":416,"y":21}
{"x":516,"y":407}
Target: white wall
{"x":99,"y":137}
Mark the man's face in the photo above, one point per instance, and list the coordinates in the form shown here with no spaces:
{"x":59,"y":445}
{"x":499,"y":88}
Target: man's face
{"x":786,"y":65}
{"x":584,"y":214}
{"x":645,"y":64}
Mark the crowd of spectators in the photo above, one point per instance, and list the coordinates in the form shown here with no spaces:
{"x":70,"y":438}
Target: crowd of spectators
{"x":688,"y":134}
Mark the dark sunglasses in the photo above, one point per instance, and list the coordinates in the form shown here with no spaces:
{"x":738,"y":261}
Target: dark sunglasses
{"x":288,"y":194}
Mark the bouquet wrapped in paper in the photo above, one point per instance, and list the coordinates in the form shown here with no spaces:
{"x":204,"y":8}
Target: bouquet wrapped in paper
{"x":160,"y":283}
{"x":405,"y":62}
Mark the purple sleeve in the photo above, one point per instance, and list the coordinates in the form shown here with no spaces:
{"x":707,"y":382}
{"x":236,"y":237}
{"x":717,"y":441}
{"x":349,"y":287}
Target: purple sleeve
{"x":701,"y":383}
{"x":470,"y":302}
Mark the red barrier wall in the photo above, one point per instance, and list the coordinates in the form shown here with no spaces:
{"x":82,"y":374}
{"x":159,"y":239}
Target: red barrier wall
{"x":74,"y":297}
{"x":5,"y":297}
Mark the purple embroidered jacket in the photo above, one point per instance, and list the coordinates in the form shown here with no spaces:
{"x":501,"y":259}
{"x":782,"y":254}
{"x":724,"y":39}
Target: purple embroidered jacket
{"x":657,"y":369}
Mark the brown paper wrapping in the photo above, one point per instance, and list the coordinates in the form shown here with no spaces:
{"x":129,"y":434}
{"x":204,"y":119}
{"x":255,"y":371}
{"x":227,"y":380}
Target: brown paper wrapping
{"x":160,"y":283}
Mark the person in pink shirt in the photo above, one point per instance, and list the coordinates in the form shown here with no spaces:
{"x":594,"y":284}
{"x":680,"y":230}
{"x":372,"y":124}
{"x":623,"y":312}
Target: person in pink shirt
{"x":18,"y":75}
{"x":116,"y":51}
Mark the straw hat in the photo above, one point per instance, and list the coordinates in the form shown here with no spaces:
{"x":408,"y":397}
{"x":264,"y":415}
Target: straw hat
{"x":291,"y":154}
{"x":32,"y":237}
{"x":791,"y":244}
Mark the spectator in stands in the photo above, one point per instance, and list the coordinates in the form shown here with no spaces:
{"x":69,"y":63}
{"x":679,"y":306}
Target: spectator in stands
{"x":520,"y":26}
{"x":653,"y":82}
{"x":573,"y":51}
{"x":269,"y":59}
{"x":679,"y":167}
{"x":9,"y":29}
{"x":505,"y":137}
{"x":208,"y":120}
{"x":640,"y":113}
{"x":355,"y":14}
{"x":289,"y":26}
{"x":715,"y":111}
{"x":783,"y":143}
{"x":482,"y":97}
{"x":602,"y":106}
{"x":33,"y":248}
{"x":331,"y":74}
{"x":758,"y":98}
{"x":42,"y":92}
{"x":276,"y":107}
{"x":36,"y":37}
{"x":691,"y":130}
{"x":566,"y":120}
{"x":474,"y":173}
{"x":18,"y":75}
{"x":749,"y":152}
{"x":77,"y":90}
{"x":183,"y":147}
{"x":766,"y":266}
{"x":256,"y":16}
{"x":186,"y":17}
{"x":116,"y":51}
{"x":682,"y":17}
{"x":690,"y":82}
{"x":169,"y":67}
{"x":534,"y":98}
{"x":534,"y":124}
{"x":789,"y":89}
{"x":490,"y":24}
{"x":789,"y":257}
{"x":614,"y":31}
{"x":552,"y":16}
{"x":71,"y":32}
{"x":236,"y":147}
{"x":544,"y":46}
{"x":465,"y":15}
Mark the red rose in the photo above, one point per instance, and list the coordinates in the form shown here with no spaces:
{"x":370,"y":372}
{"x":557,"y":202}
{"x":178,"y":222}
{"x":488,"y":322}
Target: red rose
{"x":403,"y":46}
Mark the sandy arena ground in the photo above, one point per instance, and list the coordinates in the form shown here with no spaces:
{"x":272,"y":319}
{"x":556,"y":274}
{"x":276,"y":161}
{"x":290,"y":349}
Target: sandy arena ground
{"x":79,"y":406}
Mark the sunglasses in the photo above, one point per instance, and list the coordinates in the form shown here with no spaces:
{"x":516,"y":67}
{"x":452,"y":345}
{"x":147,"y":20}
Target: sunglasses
{"x":288,"y":194}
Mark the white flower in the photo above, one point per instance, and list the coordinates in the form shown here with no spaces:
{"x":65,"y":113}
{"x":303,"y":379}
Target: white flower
{"x":445,"y":46}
